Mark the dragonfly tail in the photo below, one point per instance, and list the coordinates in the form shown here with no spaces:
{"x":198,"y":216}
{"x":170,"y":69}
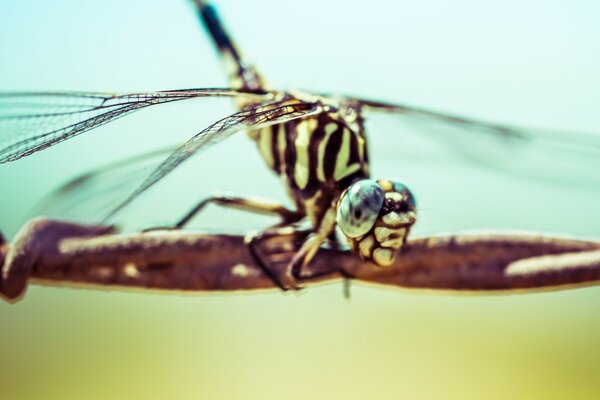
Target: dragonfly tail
{"x":241,"y":73}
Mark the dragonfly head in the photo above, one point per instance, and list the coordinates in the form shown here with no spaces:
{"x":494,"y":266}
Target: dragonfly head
{"x":376,"y":217}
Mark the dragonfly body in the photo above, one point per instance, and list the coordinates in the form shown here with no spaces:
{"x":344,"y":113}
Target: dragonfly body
{"x":318,"y":158}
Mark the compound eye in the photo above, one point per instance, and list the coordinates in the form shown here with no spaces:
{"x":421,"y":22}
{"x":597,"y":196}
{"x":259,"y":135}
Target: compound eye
{"x":359,"y":207}
{"x":409,"y":199}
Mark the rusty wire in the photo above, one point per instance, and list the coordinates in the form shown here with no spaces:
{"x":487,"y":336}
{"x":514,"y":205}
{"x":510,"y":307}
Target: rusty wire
{"x":52,"y":252}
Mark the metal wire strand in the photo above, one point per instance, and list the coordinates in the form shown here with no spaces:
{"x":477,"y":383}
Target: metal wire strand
{"x":57,"y":253}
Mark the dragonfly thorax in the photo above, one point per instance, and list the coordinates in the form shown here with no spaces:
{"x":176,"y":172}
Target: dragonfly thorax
{"x":316,"y":157}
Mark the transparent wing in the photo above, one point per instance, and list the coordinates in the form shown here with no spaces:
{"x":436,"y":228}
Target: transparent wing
{"x":90,"y":196}
{"x":97,"y":193}
{"x":30,"y":122}
{"x":248,"y":119}
{"x":568,"y":157}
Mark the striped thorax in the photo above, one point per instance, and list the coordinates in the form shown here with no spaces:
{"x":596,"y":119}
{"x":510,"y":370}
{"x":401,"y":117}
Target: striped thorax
{"x":316,"y":157}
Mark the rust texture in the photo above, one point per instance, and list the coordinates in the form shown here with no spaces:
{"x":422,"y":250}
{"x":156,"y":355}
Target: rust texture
{"x":59,"y":253}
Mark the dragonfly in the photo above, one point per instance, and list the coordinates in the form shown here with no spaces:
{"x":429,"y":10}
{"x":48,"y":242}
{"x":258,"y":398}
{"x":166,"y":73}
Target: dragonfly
{"x":316,"y":143}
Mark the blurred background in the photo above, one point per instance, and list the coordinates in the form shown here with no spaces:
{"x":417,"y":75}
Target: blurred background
{"x":531,"y":63}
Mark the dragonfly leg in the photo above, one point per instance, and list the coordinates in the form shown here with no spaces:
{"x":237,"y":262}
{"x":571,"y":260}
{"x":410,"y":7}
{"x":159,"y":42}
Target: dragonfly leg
{"x":310,"y":247}
{"x":309,"y":244}
{"x":261,"y":206}
{"x":297,"y":266}
{"x":273,"y":248}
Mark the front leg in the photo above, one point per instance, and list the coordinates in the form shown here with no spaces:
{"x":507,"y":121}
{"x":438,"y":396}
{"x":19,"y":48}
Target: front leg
{"x":310,"y":247}
{"x":282,"y":244}
{"x":273,"y":248}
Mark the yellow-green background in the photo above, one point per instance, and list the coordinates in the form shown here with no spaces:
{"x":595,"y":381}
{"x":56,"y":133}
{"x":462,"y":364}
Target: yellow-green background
{"x":532,"y":62}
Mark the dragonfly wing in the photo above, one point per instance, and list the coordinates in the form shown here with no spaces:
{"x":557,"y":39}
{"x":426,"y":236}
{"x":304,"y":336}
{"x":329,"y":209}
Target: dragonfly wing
{"x":566,"y":157}
{"x":89,"y":196}
{"x":252,"y":118}
{"x":30,"y":122}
